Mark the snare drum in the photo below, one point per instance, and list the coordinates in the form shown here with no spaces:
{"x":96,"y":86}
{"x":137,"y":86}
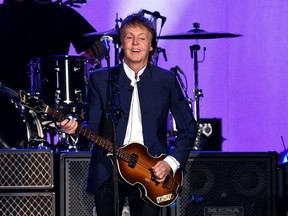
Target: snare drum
{"x":60,"y":80}
{"x":19,"y":127}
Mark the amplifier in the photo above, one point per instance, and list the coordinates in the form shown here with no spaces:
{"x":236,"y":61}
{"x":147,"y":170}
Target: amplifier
{"x":42,"y":203}
{"x":229,"y":183}
{"x":74,"y":200}
{"x":26,"y":169}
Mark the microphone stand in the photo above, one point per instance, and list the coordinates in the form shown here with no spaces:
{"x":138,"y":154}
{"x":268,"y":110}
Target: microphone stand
{"x":114,"y":118}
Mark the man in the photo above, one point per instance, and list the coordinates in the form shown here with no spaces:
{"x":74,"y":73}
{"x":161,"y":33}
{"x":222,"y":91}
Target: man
{"x":146,"y":94}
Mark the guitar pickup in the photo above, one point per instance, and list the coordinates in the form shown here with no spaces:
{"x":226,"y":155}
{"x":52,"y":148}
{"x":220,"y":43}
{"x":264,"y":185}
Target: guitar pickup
{"x":133,"y":160}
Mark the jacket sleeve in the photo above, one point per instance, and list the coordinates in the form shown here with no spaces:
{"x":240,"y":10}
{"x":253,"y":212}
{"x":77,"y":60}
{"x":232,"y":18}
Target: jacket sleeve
{"x":186,"y":125}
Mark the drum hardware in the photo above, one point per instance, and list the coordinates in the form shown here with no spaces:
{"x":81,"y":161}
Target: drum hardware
{"x":36,"y":140}
{"x":197,"y":92}
{"x":97,"y":35}
{"x":155,"y":57}
{"x":197,"y":33}
{"x":68,"y":142}
{"x":20,"y":123}
{"x":113,"y":33}
{"x":71,"y":3}
{"x":55,"y":138}
{"x":66,"y":75}
{"x":203,"y":128}
{"x":61,"y":81}
{"x":12,"y":94}
{"x":79,"y":95}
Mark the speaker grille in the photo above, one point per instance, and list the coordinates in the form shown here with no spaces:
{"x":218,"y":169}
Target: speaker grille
{"x":74,"y":166}
{"x":40,"y":204}
{"x":26,"y":169}
{"x":227,"y":182}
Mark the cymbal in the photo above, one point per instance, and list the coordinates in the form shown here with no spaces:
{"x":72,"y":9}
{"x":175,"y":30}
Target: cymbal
{"x":197,"y":33}
{"x":97,"y":35}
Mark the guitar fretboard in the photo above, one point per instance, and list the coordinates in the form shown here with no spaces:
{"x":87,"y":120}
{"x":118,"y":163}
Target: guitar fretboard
{"x":89,"y":134}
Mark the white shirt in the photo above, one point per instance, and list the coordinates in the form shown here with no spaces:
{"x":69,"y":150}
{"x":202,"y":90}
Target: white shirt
{"x":134,"y":131}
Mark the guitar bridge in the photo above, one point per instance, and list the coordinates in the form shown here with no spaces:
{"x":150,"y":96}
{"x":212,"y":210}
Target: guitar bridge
{"x":133,"y":160}
{"x":164,"y":198}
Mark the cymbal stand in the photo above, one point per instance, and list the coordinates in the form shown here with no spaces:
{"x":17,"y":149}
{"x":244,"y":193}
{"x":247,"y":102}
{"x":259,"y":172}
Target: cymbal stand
{"x":116,"y":40}
{"x":203,"y":128}
{"x":197,"y":92}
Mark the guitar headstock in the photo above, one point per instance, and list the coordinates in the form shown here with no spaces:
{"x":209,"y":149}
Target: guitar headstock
{"x":32,"y":103}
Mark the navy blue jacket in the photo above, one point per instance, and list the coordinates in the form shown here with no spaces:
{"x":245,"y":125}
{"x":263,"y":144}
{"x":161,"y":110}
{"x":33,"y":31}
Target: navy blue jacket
{"x":159,"y":92}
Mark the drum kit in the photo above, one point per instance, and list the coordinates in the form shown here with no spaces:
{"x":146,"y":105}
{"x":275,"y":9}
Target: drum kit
{"x":61,"y":81}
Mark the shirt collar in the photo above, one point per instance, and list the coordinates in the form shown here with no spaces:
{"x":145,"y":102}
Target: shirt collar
{"x":131,"y":74}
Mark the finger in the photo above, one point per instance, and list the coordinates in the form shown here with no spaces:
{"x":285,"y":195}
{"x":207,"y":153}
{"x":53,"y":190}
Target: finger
{"x":64,"y":122}
{"x":69,"y":126}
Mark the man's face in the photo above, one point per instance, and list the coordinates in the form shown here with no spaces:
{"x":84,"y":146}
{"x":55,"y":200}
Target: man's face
{"x":136,"y":44}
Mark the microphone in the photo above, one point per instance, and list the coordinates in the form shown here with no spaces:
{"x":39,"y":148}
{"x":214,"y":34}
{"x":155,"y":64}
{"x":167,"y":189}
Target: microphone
{"x":158,"y":16}
{"x":159,"y":50}
{"x":179,"y":69}
{"x":105,"y":39}
{"x":155,"y":14}
{"x":175,"y":70}
{"x":164,"y":54}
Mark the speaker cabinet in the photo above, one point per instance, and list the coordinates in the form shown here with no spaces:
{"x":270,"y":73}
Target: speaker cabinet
{"x":238,"y":184}
{"x":283,"y":189}
{"x":26,"y":169}
{"x":74,"y":200}
{"x":42,"y":203}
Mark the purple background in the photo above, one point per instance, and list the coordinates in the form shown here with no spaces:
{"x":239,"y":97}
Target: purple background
{"x":244,"y":79}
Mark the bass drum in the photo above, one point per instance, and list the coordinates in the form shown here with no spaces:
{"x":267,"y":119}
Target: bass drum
{"x":19,"y":127}
{"x":61,"y":80}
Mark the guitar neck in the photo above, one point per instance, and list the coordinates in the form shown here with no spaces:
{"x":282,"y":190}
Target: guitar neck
{"x":89,"y":134}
